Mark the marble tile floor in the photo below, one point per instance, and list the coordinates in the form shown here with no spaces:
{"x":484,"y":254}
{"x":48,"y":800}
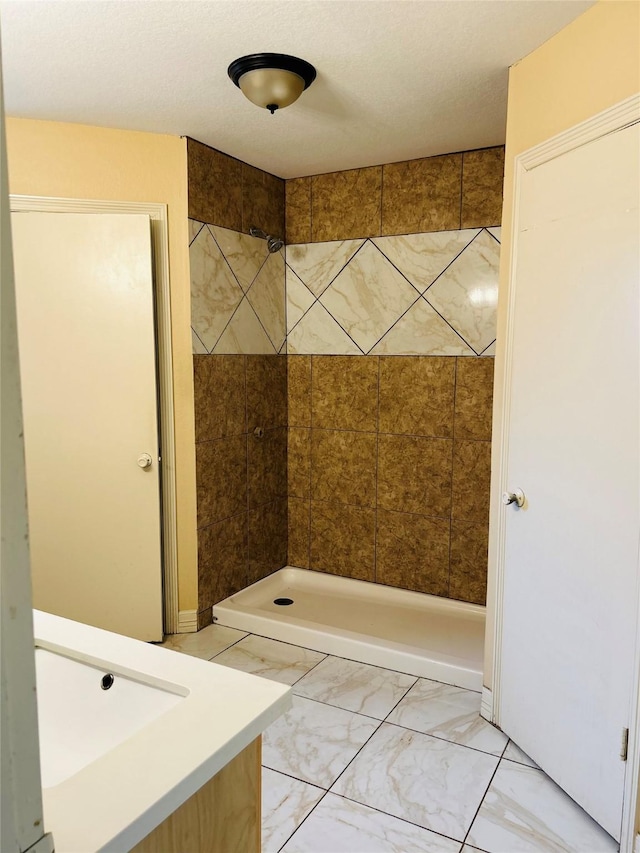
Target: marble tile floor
{"x":374,"y":761}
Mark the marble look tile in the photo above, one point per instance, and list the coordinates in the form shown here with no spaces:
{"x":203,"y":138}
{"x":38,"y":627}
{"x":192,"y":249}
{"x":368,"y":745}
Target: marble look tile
{"x":267,"y":298}
{"x":299,"y":532}
{"x":490,"y":350}
{"x":414,"y":474}
{"x":221,"y":478}
{"x":244,"y":334}
{"x":298,"y":210}
{"x":299,"y":462}
{"x":422,"y":195}
{"x":514,"y":753}
{"x":421,"y":331}
{"x":525,"y":811}
{"x":219,"y":396}
{"x":262,"y":201}
{"x":343,"y":467}
{"x":469,"y":849}
{"x":422,"y":257}
{"x":194,"y":229}
{"x":222,"y":560}
{"x":267,"y":539}
{"x":346,"y":204}
{"x":204,"y":644}
{"x":342,"y":826}
{"x":345,"y":393}
{"x":317,"y":264}
{"x":496,"y":232}
{"x":412,"y":552}
{"x":315,"y":742}
{"x":299,"y":390}
{"x":368,"y":296}
{"x":343,"y":540}
{"x":358,"y":687}
{"x":270,"y":659}
{"x":422,"y":779}
{"x":468,"y":561}
{"x":215,"y":293}
{"x":474,"y":398}
{"x":197,"y":347}
{"x":482,"y":179}
{"x":244,"y":254}
{"x":318,"y":333}
{"x":215,"y":186}
{"x":299,"y":298}
{"x":266,"y":466}
{"x":416,"y":395}
{"x":266,"y":391}
{"x":285,"y":804}
{"x":466,"y":294}
{"x":450,"y":713}
{"x":471,"y":480}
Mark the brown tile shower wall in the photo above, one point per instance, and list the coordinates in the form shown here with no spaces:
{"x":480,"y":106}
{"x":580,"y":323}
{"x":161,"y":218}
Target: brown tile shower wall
{"x":444,"y":193}
{"x":389,"y":469}
{"x":227,"y":192}
{"x":389,"y":457}
{"x":241,"y":475}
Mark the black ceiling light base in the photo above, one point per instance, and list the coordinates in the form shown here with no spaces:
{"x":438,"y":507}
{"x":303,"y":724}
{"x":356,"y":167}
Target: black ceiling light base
{"x":272,"y":60}
{"x":271,"y":80}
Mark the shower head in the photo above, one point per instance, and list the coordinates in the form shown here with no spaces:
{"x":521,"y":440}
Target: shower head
{"x":274,"y":244}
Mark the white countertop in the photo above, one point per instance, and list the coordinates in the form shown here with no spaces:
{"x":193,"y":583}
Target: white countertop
{"x":113,"y":803}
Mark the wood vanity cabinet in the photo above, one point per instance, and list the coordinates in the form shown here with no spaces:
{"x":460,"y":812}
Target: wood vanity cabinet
{"x":221,"y":817}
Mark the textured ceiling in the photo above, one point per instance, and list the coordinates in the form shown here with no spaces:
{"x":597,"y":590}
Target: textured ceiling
{"x":397,"y":79}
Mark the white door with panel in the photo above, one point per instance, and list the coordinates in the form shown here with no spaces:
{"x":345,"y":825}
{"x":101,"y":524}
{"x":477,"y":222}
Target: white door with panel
{"x":85,"y":301}
{"x":571,"y":552}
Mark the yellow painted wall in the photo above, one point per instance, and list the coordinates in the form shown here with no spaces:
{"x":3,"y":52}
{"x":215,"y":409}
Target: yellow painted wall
{"x":589,"y":66}
{"x":77,"y":161}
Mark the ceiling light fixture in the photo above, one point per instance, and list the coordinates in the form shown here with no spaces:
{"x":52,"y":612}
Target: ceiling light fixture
{"x":272,"y":80}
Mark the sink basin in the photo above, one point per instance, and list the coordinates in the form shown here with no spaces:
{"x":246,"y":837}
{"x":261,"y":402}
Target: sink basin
{"x":79,"y":720}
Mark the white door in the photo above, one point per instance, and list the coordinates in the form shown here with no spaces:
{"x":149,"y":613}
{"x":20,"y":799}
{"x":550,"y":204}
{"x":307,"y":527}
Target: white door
{"x":84,"y":292}
{"x":571,"y":552}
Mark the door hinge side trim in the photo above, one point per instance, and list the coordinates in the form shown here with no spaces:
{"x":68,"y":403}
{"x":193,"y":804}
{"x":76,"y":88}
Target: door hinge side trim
{"x":624,"y":745}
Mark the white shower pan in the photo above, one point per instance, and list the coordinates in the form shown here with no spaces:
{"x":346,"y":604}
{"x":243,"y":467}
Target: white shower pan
{"x":411,"y":632}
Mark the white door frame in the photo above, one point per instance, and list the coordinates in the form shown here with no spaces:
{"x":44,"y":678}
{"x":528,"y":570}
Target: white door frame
{"x":160,"y":249}
{"x":615,"y":118}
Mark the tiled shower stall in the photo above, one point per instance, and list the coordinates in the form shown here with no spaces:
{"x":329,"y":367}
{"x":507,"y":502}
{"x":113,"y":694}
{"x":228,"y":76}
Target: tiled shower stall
{"x":343,"y":386}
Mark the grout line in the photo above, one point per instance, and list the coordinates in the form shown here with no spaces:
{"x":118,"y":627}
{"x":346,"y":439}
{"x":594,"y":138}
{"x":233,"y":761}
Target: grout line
{"x":461,"y":185}
{"x":228,"y":647}
{"x":484,"y":795}
{"x":455,"y":395}
{"x":310,"y":457}
{"x":450,"y":326}
{"x":395,"y":816}
{"x":344,"y":770}
{"x":375,"y":529}
{"x":326,"y":791}
{"x":295,"y":778}
{"x":445,"y":740}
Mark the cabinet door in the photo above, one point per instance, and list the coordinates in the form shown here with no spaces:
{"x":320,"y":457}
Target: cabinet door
{"x":571,"y":552}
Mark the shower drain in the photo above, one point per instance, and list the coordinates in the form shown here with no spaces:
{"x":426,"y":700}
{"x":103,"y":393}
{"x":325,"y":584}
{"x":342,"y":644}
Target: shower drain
{"x":283,"y":601}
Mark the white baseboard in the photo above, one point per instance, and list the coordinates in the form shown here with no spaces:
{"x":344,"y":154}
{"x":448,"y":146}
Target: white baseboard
{"x":486,"y":705}
{"x":187,"y":621}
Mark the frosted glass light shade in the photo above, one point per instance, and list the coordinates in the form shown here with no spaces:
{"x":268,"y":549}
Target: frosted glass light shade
{"x":271,"y":80}
{"x":271,"y":86}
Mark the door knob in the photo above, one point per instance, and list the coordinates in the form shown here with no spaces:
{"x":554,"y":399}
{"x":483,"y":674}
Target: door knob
{"x":515,"y":497}
{"x":145,"y":460}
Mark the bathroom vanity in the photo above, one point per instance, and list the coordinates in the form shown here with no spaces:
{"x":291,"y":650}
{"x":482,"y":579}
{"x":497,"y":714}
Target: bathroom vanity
{"x":146,"y":749}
